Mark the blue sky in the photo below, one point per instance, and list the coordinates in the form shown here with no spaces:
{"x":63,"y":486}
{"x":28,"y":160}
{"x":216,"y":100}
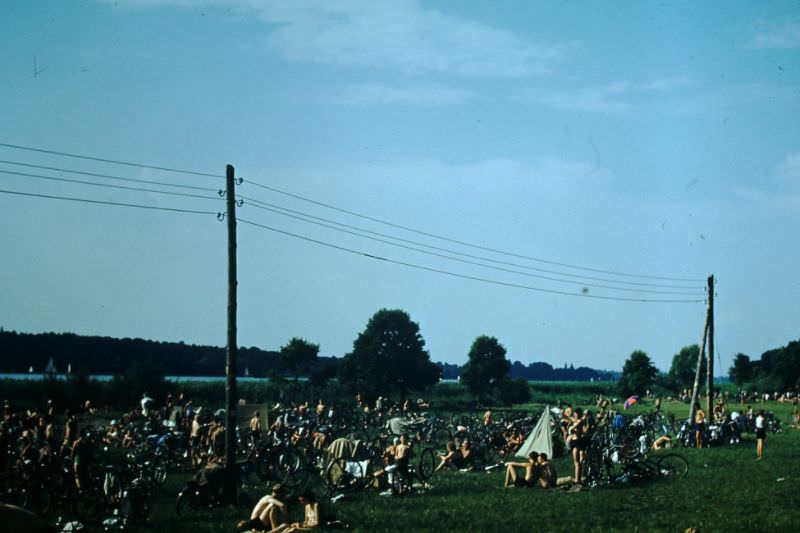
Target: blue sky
{"x":653,"y":138}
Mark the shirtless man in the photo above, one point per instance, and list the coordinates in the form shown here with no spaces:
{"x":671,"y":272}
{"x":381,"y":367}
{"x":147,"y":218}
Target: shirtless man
{"x":531,"y":472}
{"x":269,"y":513}
{"x":255,"y":428}
{"x":547,"y":472}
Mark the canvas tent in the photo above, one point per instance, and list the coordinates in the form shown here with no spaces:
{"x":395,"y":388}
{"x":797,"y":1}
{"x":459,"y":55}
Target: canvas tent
{"x":540,"y":439}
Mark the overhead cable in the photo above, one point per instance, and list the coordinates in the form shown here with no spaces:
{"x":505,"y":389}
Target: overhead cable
{"x":109,"y":185}
{"x":86,"y":200}
{"x":454,"y":274}
{"x":493,"y":267}
{"x":280,"y":210}
{"x":109,"y":176}
{"x":112,"y":161}
{"x":463,"y":243}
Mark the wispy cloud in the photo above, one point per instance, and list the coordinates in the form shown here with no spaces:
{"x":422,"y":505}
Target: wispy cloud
{"x":615,"y":97}
{"x":781,"y":189}
{"x":376,"y":94}
{"x":788,"y":174}
{"x":392,"y":35}
{"x":786,"y":35}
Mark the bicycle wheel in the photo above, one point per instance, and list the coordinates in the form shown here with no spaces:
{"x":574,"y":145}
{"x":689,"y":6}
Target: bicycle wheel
{"x":629,"y":447}
{"x":440,"y":437}
{"x":426,"y":465}
{"x":187,"y":499}
{"x":292,"y":468}
{"x":88,"y":505}
{"x":158,"y":472}
{"x":343,"y":476}
{"x":295,"y":478}
{"x":401,"y":483}
{"x":673,"y":465}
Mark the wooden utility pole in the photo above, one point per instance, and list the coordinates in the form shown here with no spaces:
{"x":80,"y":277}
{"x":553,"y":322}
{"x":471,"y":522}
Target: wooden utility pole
{"x":230,"y":354}
{"x":710,"y":356}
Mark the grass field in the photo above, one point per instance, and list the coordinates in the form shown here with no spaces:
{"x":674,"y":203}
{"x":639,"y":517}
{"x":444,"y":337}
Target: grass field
{"x":726,"y":490}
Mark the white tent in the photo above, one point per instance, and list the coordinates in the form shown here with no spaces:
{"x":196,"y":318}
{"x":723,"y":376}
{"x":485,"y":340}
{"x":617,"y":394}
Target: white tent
{"x":540,"y":439}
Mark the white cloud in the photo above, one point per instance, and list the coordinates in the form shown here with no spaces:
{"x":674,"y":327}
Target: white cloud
{"x":786,"y":35}
{"x":615,"y":97}
{"x":392,"y":35}
{"x":781,"y":190}
{"x":376,"y":94}
{"x":789,"y":172}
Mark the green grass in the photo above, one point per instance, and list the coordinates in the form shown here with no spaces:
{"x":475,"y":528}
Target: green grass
{"x":726,"y":490}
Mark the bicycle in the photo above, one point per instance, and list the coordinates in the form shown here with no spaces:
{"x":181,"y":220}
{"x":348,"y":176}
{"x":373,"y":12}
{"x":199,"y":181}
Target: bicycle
{"x":671,"y":465}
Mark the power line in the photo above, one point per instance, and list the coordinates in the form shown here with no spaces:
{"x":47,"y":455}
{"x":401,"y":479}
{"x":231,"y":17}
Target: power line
{"x":112,"y":161}
{"x":463,"y":276}
{"x":86,"y":200}
{"x":109,"y":176}
{"x":352,"y":213}
{"x":463,"y":243}
{"x":626,"y":289}
{"x":108,"y":185}
{"x":273,"y":208}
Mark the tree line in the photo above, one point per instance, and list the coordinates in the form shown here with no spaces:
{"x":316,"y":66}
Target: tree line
{"x":389,"y":355}
{"x":777,"y":370}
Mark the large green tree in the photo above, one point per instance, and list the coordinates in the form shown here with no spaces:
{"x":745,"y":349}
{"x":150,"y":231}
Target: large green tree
{"x":684,"y":366}
{"x":389,"y":357}
{"x":298,"y":356}
{"x":638,"y":374}
{"x":487,"y":367}
{"x":742,"y":370}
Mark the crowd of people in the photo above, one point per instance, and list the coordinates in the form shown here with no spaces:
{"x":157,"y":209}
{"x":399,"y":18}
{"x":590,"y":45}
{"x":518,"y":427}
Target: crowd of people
{"x":36,"y":436}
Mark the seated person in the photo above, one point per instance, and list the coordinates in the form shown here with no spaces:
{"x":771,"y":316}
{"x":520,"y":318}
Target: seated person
{"x":514,"y":441}
{"x":389,"y":458}
{"x":310,"y":515}
{"x":212,"y":477}
{"x":467,"y":457}
{"x":268,"y":514}
{"x":664,"y":441}
{"x":547,"y":472}
{"x":531,"y":472}
{"x":451,"y":458}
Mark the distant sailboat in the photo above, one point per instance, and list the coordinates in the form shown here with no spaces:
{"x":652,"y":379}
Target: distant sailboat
{"x":30,"y":370}
{"x":69,"y":368}
{"x":50,"y":368}
{"x":247,"y":372}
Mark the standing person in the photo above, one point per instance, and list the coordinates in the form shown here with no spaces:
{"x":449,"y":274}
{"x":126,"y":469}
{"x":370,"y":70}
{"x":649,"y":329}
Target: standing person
{"x":699,"y":421}
{"x":146,"y":402}
{"x":577,"y":441}
{"x":70,"y":432}
{"x":255,"y":428}
{"x":761,"y":433}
